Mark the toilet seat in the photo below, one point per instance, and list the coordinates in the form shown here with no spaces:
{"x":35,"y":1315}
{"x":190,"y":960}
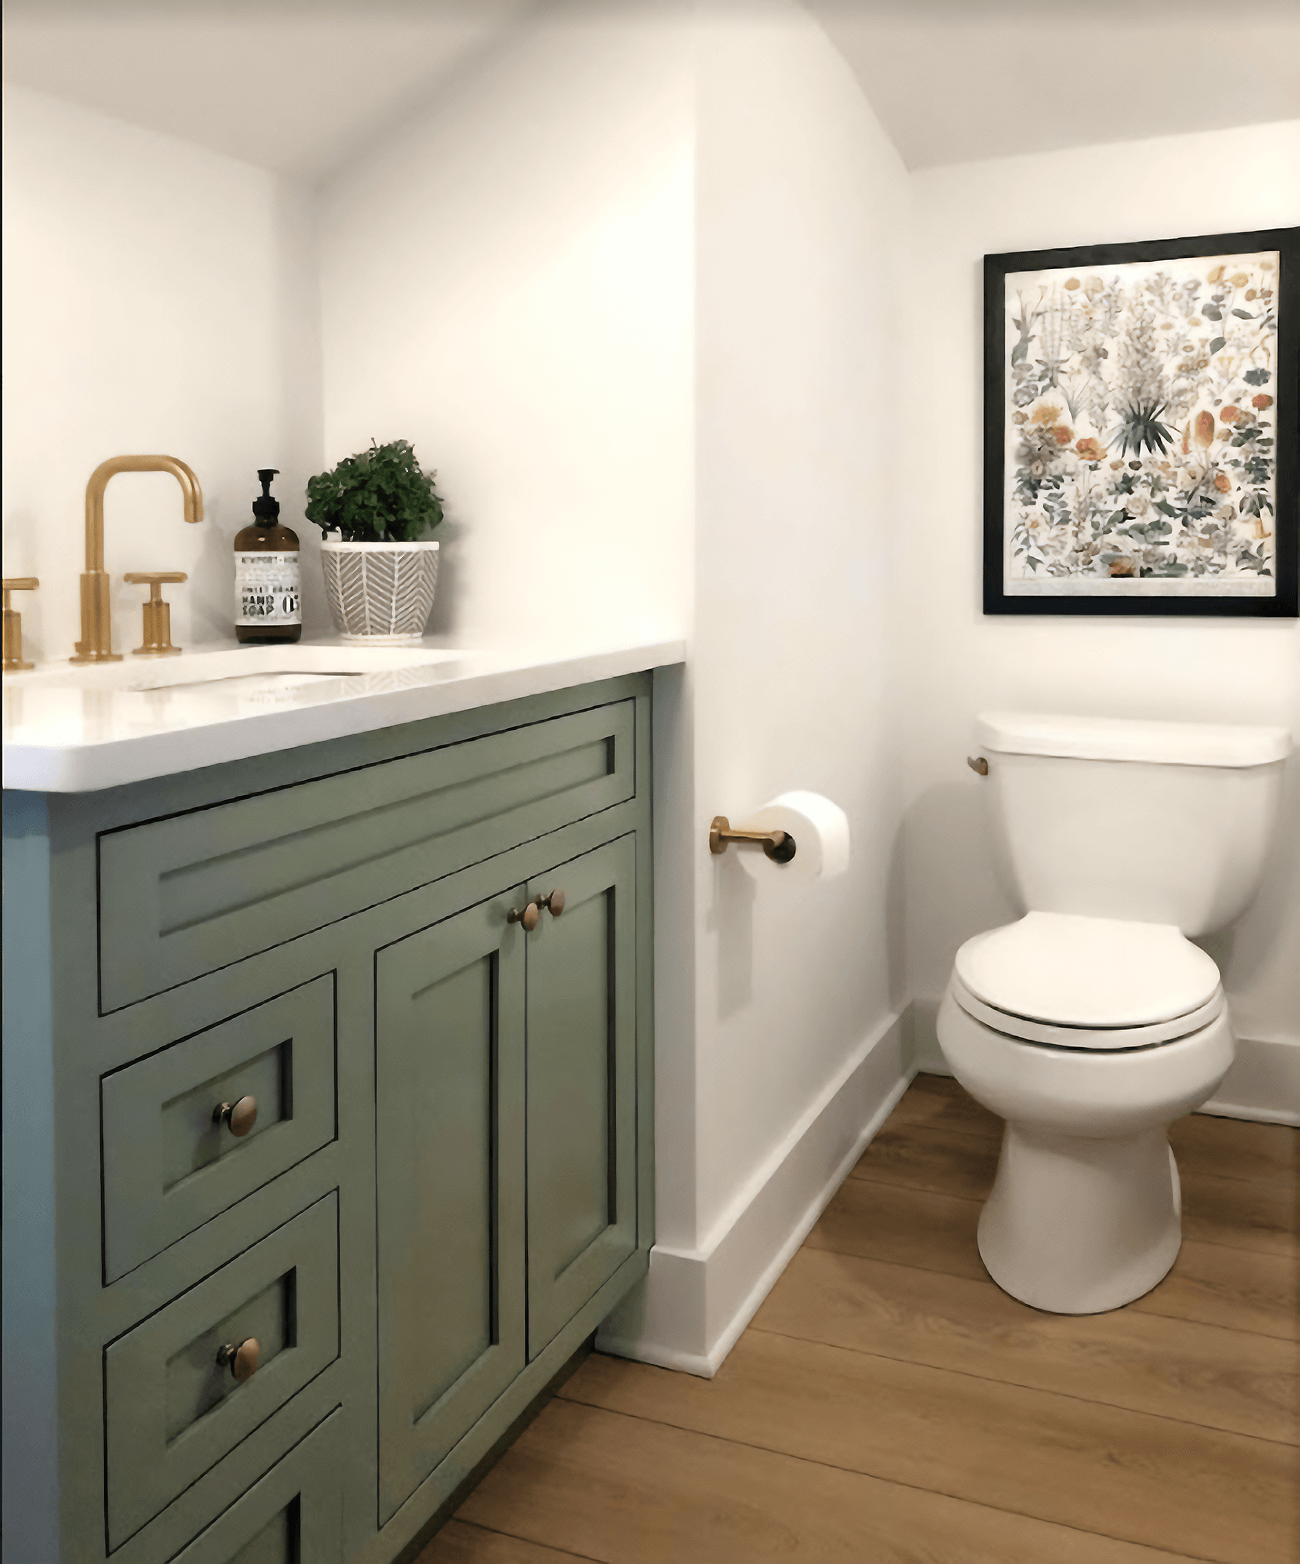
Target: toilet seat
{"x":1069,"y":981}
{"x":1098,"y":1040}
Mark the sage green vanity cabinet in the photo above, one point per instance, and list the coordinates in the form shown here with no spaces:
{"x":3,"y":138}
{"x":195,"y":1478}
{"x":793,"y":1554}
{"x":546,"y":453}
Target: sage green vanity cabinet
{"x":449,"y":1115}
{"x":581,"y":1087}
{"x":190,"y":893}
{"x":172,"y":1410}
{"x":448,"y":1179}
{"x":168,"y":1166}
{"x":293,"y":1515}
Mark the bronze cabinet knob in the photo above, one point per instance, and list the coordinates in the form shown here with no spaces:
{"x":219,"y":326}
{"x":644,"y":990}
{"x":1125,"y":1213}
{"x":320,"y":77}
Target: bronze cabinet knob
{"x":239,"y":1117}
{"x":529,"y":916}
{"x":554,"y":903}
{"x":240,"y":1358}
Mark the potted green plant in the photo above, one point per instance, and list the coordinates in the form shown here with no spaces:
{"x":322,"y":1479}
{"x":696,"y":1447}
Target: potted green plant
{"x":381,"y":572}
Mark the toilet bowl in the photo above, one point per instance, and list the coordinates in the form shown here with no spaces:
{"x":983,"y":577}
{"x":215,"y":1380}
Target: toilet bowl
{"x":1062,"y":1026}
{"x":1093,"y":1022}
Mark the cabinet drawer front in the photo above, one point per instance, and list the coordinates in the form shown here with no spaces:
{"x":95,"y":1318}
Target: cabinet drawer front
{"x":582,"y":1152}
{"x":185,"y":895}
{"x":169,"y":1165}
{"x":293,"y":1515}
{"x":172,"y":1410}
{"x":449,"y":1010}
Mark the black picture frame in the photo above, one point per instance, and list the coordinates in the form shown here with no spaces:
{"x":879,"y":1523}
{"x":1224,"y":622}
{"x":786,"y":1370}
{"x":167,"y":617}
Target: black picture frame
{"x":1286,"y":415}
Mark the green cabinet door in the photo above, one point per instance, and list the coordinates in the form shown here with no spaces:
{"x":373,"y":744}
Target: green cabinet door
{"x":581,"y":1086}
{"x":449,"y":1040}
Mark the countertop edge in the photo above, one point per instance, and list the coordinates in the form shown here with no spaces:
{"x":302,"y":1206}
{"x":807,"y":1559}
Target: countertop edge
{"x":87,"y":768}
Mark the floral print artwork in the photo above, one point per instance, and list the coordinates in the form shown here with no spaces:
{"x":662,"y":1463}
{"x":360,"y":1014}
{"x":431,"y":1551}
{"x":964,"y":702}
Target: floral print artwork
{"x":1140,"y":454}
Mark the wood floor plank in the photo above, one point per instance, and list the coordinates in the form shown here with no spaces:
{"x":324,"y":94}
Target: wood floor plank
{"x":905,"y":1225}
{"x":460,"y":1543}
{"x":1202,"y":1374}
{"x":1230,"y":1287}
{"x":1229,"y":1148}
{"x":918,"y":1157}
{"x":938,"y":1102}
{"x":1234,"y":1148}
{"x":1237,"y":1214}
{"x":628,"y":1491}
{"x":1235,"y":1288}
{"x":1261,"y":1214}
{"x":1149,"y":1480}
{"x":1256,"y":1212}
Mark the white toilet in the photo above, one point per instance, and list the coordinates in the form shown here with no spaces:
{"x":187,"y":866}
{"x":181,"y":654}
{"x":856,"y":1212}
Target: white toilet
{"x":1094,"y":1022}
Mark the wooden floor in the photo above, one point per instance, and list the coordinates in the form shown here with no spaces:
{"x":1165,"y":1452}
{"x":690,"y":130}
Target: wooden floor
{"x":889,"y":1403}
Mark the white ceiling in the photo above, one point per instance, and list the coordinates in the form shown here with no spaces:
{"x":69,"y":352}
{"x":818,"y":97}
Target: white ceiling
{"x":953,"y":81}
{"x":301,"y":86}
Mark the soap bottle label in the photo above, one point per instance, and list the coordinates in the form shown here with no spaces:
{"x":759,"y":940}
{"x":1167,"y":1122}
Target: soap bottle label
{"x":267,"y":589}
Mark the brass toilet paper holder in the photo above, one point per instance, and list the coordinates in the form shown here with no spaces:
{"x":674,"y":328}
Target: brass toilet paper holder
{"x":778,"y":845}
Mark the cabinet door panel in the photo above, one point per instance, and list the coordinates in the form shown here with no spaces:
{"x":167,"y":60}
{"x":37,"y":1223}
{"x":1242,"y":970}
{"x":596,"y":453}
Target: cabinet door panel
{"x":581,"y":1086}
{"x":449,"y":1129}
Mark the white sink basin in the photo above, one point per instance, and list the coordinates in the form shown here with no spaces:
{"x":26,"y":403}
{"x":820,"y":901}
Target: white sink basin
{"x":57,"y":716}
{"x":234,"y":670}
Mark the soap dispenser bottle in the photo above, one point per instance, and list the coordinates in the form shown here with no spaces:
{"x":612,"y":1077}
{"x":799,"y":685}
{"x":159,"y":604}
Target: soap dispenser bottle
{"x":268,"y":596}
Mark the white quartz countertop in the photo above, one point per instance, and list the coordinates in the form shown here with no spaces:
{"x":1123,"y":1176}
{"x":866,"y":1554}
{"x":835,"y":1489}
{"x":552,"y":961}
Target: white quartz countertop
{"x":77,"y":729}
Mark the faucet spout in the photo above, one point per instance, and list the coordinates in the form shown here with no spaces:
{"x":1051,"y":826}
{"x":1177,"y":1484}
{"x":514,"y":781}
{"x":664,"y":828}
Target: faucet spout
{"x":96,"y":643}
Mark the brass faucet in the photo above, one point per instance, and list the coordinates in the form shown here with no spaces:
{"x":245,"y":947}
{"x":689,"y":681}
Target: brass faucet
{"x":96,"y":643}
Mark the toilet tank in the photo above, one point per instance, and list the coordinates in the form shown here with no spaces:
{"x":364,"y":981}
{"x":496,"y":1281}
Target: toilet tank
{"x":1157,"y":822}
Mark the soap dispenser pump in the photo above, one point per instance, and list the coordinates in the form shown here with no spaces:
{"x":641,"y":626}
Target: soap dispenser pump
{"x":268,"y":590}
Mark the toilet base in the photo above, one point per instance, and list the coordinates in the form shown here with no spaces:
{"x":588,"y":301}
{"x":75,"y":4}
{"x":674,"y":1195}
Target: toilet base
{"x":1077,"y":1225}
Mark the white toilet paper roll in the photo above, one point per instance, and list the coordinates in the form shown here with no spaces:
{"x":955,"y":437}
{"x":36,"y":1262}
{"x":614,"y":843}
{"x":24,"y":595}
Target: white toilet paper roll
{"x":821,"y":836}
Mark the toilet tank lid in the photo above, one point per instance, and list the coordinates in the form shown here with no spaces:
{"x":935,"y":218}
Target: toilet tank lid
{"x":1128,"y":738}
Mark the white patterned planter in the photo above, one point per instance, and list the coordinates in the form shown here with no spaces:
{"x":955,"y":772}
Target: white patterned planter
{"x":380,"y":593}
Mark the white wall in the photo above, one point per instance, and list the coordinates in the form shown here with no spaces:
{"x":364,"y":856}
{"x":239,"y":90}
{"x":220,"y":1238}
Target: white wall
{"x":776,"y":993}
{"x":801,"y":201}
{"x":958,"y":662}
{"x":158,"y":297}
{"x":507,"y":283}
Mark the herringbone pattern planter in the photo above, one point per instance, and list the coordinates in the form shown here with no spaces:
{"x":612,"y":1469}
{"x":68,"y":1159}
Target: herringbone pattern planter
{"x":380,"y":592}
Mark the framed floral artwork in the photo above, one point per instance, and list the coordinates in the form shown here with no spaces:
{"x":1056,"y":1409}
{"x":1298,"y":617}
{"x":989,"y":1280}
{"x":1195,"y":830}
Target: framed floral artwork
{"x":1140,"y":427}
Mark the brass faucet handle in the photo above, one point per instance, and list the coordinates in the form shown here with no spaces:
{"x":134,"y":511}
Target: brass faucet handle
{"x":13,"y":624}
{"x":157,"y":614}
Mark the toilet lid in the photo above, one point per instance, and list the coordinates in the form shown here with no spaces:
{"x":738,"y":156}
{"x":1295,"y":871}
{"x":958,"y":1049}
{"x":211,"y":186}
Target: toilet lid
{"x":1089,"y":972}
{"x":1100,"y":1039}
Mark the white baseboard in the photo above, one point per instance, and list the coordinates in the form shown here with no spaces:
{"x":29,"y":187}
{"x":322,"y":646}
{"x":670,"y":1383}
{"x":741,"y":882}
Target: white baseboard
{"x":921,"y":1020}
{"x":1263,"y":1084}
{"x":693,"y":1305}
